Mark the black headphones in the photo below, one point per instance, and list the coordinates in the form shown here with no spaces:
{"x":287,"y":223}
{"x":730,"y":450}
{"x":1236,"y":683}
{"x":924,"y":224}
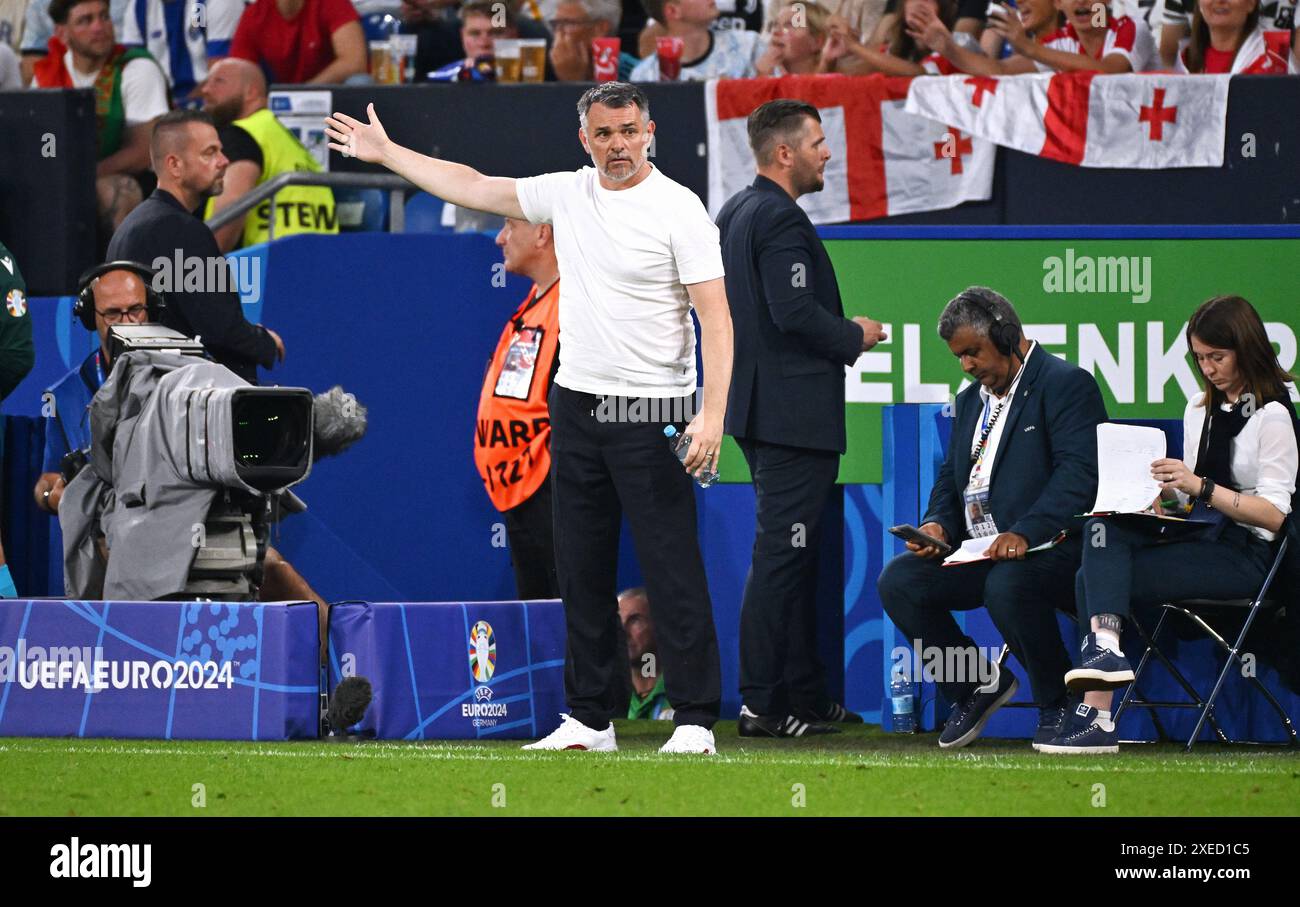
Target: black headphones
{"x":1004,"y":334}
{"x":83,"y":307}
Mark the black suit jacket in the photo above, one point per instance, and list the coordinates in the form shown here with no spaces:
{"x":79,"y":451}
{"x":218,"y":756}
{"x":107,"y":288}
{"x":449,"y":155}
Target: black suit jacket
{"x":157,"y":228}
{"x":792,"y":340}
{"x":1045,"y":471}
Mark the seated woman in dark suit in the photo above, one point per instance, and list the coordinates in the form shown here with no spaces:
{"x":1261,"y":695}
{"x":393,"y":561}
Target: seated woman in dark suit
{"x":1240,"y":440}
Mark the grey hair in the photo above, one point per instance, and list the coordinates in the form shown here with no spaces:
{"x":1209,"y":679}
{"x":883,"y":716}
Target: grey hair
{"x":613,"y":94}
{"x":609,"y":10}
{"x":339,"y":422}
{"x":965,"y":310}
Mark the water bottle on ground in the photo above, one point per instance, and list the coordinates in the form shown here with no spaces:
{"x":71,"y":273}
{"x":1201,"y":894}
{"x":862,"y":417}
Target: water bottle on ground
{"x":681,"y":445}
{"x":900,"y":693}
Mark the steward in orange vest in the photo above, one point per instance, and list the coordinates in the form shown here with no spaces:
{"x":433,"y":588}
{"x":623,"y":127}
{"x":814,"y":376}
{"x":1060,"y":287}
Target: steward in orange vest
{"x":512,"y":438}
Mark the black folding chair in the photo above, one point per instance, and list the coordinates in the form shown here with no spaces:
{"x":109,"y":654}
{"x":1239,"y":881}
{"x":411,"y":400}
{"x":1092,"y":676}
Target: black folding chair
{"x":1195,"y":610}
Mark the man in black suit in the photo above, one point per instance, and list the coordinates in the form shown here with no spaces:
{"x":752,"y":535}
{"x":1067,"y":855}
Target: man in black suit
{"x":786,"y":411}
{"x":1021,"y":465}
{"x":165,"y":233}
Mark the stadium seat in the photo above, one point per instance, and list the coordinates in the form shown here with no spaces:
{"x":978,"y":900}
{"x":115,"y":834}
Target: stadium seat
{"x":1199,"y":612}
{"x":361,"y":210}
{"x":424,"y":214}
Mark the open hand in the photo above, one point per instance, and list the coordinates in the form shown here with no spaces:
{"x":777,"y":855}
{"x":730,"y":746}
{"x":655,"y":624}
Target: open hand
{"x":352,"y":138}
{"x":570,"y":57}
{"x":926,"y":28}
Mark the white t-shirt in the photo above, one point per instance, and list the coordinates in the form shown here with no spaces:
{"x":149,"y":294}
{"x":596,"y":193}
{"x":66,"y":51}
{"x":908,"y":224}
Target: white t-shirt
{"x":625,"y":259}
{"x":144,"y":88}
{"x":1263,"y":456}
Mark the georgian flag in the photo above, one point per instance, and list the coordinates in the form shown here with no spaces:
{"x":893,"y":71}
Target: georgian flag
{"x":1135,"y":121}
{"x":883,"y":160}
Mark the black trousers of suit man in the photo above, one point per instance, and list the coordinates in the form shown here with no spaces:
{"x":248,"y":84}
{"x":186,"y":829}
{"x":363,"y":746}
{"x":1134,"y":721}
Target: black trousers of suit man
{"x":779,"y":667}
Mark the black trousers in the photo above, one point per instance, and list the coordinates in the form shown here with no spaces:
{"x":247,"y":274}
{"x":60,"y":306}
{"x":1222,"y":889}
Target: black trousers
{"x":530,"y":532}
{"x":1022,"y":597}
{"x":601,"y":470}
{"x":779,"y":667}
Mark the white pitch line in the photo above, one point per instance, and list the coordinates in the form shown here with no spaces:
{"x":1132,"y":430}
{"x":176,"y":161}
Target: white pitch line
{"x":380,"y":750}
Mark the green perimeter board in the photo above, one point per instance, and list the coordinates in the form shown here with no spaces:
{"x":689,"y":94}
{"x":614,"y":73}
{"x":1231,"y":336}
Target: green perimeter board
{"x":906,"y":283}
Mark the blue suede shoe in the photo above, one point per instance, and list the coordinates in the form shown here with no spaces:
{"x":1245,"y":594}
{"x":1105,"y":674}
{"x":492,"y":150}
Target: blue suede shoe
{"x":968,"y":718}
{"x":1049,"y":725}
{"x":1099,"y":669}
{"x":1080,"y":733}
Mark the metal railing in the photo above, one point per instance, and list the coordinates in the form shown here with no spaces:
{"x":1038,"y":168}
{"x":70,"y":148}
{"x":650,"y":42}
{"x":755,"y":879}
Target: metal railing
{"x":397,"y":187}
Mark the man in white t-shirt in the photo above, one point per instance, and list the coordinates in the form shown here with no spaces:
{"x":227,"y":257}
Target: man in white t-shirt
{"x":130,"y":93}
{"x":636,"y":252}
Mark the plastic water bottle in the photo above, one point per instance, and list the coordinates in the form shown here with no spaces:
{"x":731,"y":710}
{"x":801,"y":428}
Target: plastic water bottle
{"x":900,"y":693}
{"x":681,"y":445}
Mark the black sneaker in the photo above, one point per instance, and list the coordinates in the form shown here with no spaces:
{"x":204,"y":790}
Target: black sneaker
{"x":833,"y":714}
{"x":752,"y":725}
{"x":1099,"y":669}
{"x":1049,"y":725}
{"x":968,"y":718}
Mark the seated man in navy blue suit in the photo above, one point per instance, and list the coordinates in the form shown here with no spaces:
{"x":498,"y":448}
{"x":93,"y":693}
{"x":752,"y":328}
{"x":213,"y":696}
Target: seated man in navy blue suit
{"x":1021,"y":465}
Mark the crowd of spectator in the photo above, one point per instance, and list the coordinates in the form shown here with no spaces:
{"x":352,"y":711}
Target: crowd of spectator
{"x":325,"y":41}
{"x":143,"y":57}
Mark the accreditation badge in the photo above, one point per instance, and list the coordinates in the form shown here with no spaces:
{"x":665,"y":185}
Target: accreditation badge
{"x":516,"y":376}
{"x":979,"y":519}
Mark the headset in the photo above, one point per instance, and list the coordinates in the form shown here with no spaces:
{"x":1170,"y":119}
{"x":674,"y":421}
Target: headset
{"x":83,"y":307}
{"x":1005,"y":335}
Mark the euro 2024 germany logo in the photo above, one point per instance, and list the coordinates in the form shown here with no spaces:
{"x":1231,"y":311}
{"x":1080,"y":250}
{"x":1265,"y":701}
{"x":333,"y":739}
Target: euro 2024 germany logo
{"x":482,"y":652}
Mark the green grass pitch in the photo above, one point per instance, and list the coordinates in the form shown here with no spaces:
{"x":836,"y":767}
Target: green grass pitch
{"x":862,"y":772}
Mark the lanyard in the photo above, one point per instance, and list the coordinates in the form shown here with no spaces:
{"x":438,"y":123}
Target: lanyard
{"x":538,"y":295}
{"x":987,"y":423}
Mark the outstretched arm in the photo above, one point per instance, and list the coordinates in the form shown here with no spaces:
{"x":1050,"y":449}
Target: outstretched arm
{"x":462,"y":186}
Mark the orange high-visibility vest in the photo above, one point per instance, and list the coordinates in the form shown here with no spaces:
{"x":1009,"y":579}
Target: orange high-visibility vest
{"x":512,"y":441}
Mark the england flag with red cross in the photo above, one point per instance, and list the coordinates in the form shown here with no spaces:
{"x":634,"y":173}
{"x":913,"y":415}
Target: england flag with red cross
{"x":1136,"y":121}
{"x":883,"y":159}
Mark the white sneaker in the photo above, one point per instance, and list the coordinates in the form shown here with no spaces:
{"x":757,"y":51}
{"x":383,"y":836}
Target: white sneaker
{"x":572,"y":734}
{"x":690,"y":738}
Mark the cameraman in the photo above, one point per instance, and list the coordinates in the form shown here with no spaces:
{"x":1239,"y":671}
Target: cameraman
{"x":111,"y":294}
{"x":117,"y":296}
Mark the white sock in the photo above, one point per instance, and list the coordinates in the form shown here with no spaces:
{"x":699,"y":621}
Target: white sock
{"x":1108,"y":639}
{"x":1103,"y":720}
